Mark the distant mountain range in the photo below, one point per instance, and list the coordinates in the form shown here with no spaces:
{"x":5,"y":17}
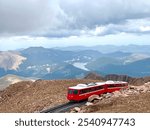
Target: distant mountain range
{"x":131,"y":48}
{"x":76,"y":62}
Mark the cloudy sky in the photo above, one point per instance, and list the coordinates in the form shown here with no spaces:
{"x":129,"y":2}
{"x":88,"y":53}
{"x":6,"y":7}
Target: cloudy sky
{"x":50,"y":23}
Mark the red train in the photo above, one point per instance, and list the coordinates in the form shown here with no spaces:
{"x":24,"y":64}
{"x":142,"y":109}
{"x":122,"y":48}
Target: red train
{"x":83,"y":91}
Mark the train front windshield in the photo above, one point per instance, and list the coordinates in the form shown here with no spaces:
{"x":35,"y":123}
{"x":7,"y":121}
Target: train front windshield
{"x":75,"y":92}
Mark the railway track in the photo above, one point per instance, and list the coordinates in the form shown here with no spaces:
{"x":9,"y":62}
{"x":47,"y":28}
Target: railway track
{"x":64,"y":107}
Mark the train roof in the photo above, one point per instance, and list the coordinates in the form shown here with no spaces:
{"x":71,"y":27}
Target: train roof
{"x":83,"y":86}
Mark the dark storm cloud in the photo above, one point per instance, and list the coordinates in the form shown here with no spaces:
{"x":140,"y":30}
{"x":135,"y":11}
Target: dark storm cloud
{"x":63,"y":18}
{"x":27,"y":16}
{"x":101,"y":12}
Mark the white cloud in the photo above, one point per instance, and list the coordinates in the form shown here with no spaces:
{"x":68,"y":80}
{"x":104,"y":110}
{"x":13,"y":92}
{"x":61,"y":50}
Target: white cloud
{"x":145,"y":28}
{"x":65,"y":18}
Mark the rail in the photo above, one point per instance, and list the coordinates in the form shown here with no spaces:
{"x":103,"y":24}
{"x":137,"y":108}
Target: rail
{"x":63,"y":107}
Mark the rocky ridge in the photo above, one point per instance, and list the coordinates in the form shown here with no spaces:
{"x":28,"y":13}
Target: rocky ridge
{"x":115,"y":77}
{"x":129,"y":100}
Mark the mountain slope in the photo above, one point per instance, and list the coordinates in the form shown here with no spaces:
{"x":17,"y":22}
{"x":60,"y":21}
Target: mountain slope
{"x":137,"y":69}
{"x":11,"y":79}
{"x":135,"y":57}
{"x":10,"y":60}
{"x":131,"y":48}
{"x":102,"y":62}
{"x":66,"y":72}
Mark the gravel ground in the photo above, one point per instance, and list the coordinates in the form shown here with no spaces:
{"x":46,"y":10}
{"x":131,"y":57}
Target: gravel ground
{"x":132,"y":104}
{"x":35,"y":96}
{"x":28,"y":96}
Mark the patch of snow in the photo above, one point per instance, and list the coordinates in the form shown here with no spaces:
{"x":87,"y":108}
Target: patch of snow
{"x":73,"y":60}
{"x":67,"y":61}
{"x":80,"y":65}
{"x":31,"y":67}
{"x":86,"y":57}
{"x":70,"y":61}
{"x":135,"y":57}
{"x":46,"y":65}
{"x":48,"y":70}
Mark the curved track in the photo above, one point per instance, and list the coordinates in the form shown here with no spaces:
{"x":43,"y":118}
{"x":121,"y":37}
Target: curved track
{"x":64,"y":107}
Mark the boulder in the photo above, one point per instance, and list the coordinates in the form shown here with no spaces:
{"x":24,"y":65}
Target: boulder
{"x":141,"y":88}
{"x":129,"y":92}
{"x":108,"y":95}
{"x":124,"y":95}
{"x":76,"y":109}
{"x":116,"y":94}
{"x":147,"y":84}
{"x":135,"y":92}
{"x":132,"y":87}
{"x":146,"y":89}
{"x":93,"y":97}
{"x":89,"y":104}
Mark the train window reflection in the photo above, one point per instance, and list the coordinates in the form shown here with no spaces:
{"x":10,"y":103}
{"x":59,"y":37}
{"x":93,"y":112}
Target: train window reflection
{"x":70,"y":91}
{"x":75,"y":92}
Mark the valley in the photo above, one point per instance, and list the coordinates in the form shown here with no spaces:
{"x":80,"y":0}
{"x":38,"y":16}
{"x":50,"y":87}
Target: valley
{"x":62,"y":63}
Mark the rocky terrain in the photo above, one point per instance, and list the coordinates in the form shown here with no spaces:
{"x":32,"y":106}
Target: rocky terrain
{"x":9,"y":79}
{"x":134,"y":99}
{"x":10,"y":60}
{"x":29,"y":96}
{"x":115,"y":77}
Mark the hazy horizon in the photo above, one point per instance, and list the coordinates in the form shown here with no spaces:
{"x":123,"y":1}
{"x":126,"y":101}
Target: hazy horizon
{"x":61,"y":47}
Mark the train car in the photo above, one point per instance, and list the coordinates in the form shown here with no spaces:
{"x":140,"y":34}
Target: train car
{"x":83,"y":91}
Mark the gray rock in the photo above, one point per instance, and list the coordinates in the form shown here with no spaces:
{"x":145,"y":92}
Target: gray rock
{"x":76,"y":109}
{"x":93,"y":97}
{"x":89,"y":104}
{"x":107,"y":95}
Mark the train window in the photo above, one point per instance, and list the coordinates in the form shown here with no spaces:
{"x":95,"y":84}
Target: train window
{"x":70,"y":91}
{"x":124,"y":85}
{"x":97,"y":88}
{"x":89,"y":90}
{"x":84,"y":91}
{"x":100,"y":87}
{"x":111,"y":86}
{"x":80,"y":92}
{"x":121,"y":85}
{"x":75,"y":92}
{"x":93,"y":89}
